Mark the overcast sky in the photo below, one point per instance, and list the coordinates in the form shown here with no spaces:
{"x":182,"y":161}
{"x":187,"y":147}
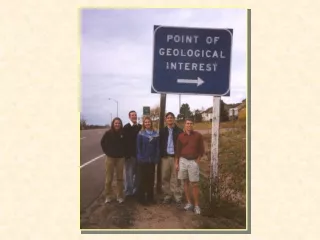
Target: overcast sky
{"x":117,"y":53}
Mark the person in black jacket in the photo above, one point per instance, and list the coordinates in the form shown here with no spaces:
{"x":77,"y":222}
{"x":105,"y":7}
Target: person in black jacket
{"x":172,"y":187}
{"x":112,"y":144}
{"x":131,"y":131}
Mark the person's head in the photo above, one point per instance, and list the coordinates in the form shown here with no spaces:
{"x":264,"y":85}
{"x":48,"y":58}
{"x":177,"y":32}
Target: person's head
{"x":170,"y":119}
{"x":188,"y":125}
{"x":116,"y":124}
{"x":147,"y":124}
{"x":133,"y":116}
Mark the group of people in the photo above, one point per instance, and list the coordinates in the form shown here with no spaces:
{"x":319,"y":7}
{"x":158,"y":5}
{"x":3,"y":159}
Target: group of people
{"x":136,"y":149}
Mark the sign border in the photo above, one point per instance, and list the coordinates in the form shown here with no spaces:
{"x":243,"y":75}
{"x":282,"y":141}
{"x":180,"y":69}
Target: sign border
{"x":156,"y":27}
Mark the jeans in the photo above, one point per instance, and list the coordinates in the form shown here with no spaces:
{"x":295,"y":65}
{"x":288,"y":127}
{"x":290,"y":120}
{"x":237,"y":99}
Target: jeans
{"x":130,"y":176}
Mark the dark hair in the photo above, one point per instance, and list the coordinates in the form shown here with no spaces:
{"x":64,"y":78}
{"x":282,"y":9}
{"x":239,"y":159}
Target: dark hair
{"x":112,"y":124}
{"x":189,"y":119}
{"x":170,"y":113}
{"x":132,"y":111}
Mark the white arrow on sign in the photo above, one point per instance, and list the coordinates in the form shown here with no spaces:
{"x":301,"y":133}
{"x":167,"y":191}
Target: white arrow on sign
{"x":197,"y":81}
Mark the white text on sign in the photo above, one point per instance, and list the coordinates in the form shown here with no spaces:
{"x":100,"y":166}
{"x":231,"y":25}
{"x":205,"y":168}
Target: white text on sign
{"x":190,"y":39}
{"x":192,"y":52}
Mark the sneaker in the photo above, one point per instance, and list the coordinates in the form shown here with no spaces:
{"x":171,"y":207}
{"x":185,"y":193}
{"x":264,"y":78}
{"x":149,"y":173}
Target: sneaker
{"x":197,"y":210}
{"x":188,"y":207}
{"x":108,"y":200}
{"x":120,"y":200}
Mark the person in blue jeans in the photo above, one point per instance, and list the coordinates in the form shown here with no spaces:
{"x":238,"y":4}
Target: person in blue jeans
{"x":130,"y":131}
{"x":148,"y":155}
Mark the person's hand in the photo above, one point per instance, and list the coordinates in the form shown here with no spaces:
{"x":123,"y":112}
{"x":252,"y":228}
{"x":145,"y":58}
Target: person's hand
{"x":177,"y":166}
{"x":197,"y":161}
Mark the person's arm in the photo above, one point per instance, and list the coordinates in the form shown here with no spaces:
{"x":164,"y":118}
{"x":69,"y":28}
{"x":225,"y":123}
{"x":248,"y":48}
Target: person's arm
{"x":176,"y":132}
{"x":158,"y":157}
{"x":177,"y":153}
{"x":104,"y":142}
{"x":125,"y":141}
{"x":139,"y":142}
{"x":161,"y":141}
{"x":201,"y":148}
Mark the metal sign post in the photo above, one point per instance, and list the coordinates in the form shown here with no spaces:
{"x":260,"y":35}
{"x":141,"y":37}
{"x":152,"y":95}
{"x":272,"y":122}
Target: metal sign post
{"x":214,"y":142}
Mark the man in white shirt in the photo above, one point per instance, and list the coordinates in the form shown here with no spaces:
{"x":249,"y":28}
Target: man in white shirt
{"x":172,"y":187}
{"x":130,"y":131}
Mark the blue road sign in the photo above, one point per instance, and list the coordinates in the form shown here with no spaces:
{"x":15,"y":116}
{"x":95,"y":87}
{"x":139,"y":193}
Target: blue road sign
{"x":192,"y":61}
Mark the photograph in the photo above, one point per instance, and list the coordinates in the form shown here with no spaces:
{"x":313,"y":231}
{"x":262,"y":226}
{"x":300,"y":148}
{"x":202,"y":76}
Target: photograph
{"x":164,"y":141}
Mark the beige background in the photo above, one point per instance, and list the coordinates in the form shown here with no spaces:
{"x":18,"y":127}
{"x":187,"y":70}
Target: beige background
{"x":39,"y":119}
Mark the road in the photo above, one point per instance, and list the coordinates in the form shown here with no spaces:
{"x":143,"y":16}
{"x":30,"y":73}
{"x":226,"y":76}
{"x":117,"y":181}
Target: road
{"x":92,"y":166}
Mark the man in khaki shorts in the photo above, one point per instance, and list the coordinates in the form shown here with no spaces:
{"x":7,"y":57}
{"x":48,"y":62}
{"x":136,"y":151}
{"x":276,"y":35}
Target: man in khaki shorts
{"x":190,"y":149}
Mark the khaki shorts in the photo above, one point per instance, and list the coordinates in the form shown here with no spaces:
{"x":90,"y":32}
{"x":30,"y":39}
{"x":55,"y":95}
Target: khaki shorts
{"x":188,"y":169}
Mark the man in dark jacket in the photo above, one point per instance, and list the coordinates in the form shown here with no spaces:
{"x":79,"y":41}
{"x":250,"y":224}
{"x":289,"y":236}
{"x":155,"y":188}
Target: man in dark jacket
{"x":172,"y":186}
{"x":131,"y":131}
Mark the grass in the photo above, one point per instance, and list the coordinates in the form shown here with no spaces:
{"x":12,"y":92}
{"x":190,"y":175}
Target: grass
{"x":228,"y":124}
{"x":232,"y":158}
{"x":197,"y":126}
{"x":208,"y":125}
{"x":242,"y":114}
{"x":229,"y":189}
{"x":203,"y":126}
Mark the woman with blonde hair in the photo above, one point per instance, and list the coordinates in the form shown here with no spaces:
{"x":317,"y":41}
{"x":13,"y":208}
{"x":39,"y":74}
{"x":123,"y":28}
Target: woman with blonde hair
{"x":148,"y":155}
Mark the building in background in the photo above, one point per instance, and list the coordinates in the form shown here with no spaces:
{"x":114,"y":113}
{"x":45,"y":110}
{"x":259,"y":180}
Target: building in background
{"x":233,"y":113}
{"x":207,"y":115}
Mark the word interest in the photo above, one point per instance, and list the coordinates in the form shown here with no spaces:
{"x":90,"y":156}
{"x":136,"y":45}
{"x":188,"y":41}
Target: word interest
{"x":192,"y":66}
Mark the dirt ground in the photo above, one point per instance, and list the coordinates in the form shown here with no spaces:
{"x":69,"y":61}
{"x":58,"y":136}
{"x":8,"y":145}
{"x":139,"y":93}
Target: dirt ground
{"x":131,"y":215}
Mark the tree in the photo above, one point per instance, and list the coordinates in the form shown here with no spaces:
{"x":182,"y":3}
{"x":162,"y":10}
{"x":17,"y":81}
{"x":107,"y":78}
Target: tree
{"x":83,"y":123}
{"x":223,"y":112}
{"x":185,"y":112}
{"x":197,"y":116}
{"x":155,"y":112}
{"x":180,"y":117}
